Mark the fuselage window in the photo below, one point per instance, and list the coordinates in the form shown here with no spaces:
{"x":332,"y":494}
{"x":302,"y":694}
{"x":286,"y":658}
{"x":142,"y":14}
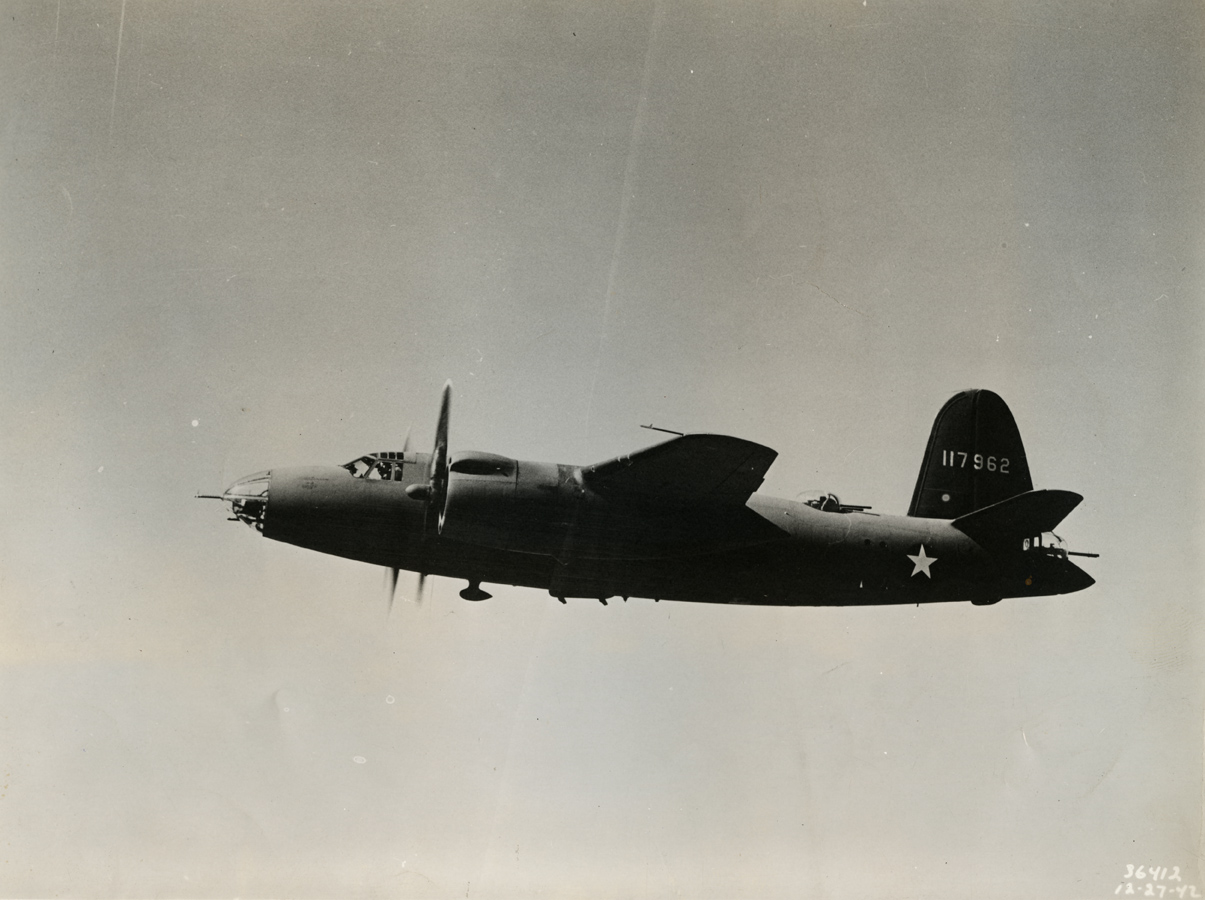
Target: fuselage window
{"x":484,"y":467}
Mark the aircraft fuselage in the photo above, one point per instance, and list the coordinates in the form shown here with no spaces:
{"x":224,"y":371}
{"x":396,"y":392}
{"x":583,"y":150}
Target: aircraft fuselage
{"x":541,"y":526}
{"x":681,"y":520}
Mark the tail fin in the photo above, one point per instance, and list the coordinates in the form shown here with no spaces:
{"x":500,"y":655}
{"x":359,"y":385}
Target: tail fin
{"x":975,"y":458}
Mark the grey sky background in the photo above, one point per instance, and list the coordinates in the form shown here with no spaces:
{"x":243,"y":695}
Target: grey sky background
{"x":236,"y":236}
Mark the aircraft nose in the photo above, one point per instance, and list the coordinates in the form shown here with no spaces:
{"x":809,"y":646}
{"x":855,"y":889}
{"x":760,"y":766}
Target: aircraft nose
{"x":248,"y":499}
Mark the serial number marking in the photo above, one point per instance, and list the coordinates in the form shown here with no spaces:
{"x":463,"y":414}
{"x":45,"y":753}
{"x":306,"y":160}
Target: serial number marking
{"x":958,"y":459}
{"x":1143,"y":881}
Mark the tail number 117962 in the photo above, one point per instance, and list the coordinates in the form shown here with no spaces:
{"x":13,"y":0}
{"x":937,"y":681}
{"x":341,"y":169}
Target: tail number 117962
{"x":958,"y":459}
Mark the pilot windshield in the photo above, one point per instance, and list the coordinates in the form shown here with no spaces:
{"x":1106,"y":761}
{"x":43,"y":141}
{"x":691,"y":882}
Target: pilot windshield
{"x":375,"y":469}
{"x":360,"y":467}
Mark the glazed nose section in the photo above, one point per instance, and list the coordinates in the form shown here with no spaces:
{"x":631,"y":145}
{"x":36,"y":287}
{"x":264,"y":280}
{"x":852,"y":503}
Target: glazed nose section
{"x":248,"y":499}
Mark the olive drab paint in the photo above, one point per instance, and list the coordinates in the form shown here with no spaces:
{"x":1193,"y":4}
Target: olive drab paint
{"x":681,"y":520}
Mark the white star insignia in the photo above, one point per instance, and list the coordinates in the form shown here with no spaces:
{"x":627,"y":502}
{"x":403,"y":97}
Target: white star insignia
{"x":921,"y":562}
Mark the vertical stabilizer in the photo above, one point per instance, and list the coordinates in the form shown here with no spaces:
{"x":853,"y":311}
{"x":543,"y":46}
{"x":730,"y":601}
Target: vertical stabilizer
{"x":975,"y":458}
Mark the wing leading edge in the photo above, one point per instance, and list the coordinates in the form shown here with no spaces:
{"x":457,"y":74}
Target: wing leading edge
{"x":691,"y":467}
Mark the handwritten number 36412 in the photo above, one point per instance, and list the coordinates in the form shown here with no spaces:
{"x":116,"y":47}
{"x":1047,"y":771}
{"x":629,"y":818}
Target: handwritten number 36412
{"x":1151,"y":875}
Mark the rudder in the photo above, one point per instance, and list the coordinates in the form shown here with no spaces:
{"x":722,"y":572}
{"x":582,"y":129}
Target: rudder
{"x":974,"y":458}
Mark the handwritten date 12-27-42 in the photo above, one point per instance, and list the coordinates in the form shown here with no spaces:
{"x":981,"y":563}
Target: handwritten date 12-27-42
{"x":1154,"y":881}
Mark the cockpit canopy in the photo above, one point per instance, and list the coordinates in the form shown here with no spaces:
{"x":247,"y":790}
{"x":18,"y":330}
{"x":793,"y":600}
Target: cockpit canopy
{"x":388,"y":465}
{"x":384,"y":466}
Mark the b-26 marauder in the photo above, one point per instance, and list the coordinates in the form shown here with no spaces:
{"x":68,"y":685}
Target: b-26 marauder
{"x":680,"y":521}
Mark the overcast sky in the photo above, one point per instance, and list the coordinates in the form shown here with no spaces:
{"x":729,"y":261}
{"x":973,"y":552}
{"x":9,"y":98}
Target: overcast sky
{"x":236,"y":236}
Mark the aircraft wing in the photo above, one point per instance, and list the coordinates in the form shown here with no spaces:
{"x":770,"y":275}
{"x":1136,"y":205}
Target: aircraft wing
{"x":691,"y":467}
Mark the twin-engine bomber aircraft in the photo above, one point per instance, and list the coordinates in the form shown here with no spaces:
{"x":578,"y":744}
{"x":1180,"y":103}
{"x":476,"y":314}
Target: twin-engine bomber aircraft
{"x":680,"y":521}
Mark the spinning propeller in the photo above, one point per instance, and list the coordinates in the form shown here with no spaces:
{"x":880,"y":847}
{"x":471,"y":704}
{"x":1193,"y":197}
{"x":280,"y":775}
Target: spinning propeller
{"x":434,"y":492}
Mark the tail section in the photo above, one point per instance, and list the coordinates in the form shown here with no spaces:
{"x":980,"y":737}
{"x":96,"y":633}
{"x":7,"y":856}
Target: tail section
{"x":975,"y":458}
{"x":1006,"y":524}
{"x":1012,"y":532}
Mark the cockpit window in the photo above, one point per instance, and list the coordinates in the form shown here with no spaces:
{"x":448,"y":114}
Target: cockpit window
{"x":360,"y":467}
{"x":382,"y":467}
{"x":382,"y":471}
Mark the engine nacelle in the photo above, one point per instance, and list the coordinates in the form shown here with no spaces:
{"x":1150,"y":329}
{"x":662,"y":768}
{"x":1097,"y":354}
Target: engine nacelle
{"x":509,"y":504}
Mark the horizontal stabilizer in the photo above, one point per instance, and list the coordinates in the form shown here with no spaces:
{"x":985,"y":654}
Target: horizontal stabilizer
{"x":1019,"y":517}
{"x":691,"y":467}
